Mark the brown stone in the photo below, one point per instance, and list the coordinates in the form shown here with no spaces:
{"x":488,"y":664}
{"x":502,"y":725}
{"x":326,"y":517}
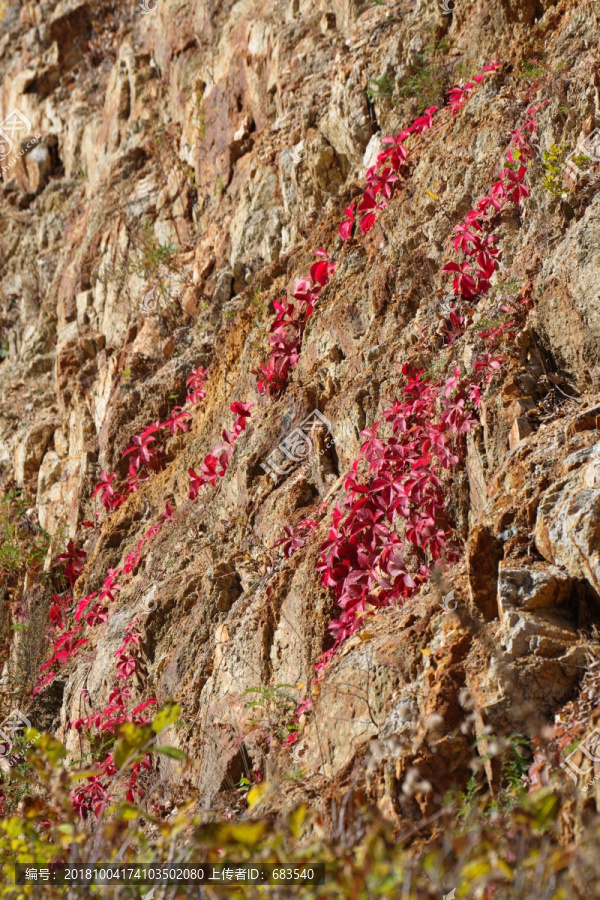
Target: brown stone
{"x":521,"y":428}
{"x":484,"y":553}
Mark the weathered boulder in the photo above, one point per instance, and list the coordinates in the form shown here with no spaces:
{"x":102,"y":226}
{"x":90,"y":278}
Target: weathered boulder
{"x":567,"y":529}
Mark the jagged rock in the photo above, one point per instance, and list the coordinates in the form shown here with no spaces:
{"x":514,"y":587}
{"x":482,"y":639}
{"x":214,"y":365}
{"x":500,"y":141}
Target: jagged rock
{"x":542,"y":635}
{"x":36,"y":165}
{"x":568,"y":519}
{"x":30,"y":451}
{"x":521,"y":428}
{"x":255,"y":228}
{"x":532,"y":588}
{"x":484,"y":553}
{"x":69,"y":29}
{"x":347,"y":125}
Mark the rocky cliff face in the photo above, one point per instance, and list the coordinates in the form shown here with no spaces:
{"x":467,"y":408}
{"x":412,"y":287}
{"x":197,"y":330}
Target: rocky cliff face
{"x":187,"y":162}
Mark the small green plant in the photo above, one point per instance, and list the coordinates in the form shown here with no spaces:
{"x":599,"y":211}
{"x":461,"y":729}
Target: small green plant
{"x":201,"y":117}
{"x":552,"y":180}
{"x":259,"y":306}
{"x":533,"y":68}
{"x":516,"y":762}
{"x":11,"y":553}
{"x":245,"y":783}
{"x":582,"y":161}
{"x":514,"y":752}
{"x":433,"y":45}
{"x":426,"y":84}
{"x":510,"y":286}
{"x":22,"y":543}
{"x":468,"y":800}
{"x":152,"y":255}
{"x":380,"y":88}
{"x":445,"y":44}
{"x":220,"y":185}
{"x":190,"y":174}
{"x":257,"y":303}
{"x":4,"y":350}
{"x":275,"y":708}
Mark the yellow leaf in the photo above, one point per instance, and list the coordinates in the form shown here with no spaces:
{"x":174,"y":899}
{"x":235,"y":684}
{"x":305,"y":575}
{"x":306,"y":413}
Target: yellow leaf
{"x":83,"y":773}
{"x":431,"y":194}
{"x":54,"y":750}
{"x":257,"y":794}
{"x":296,"y":819}
{"x":128,"y":812}
{"x":166,"y":717}
{"x":366,"y":636}
{"x":247,"y":832}
{"x":505,"y":869}
{"x":12,"y":826}
{"x":476,"y":869}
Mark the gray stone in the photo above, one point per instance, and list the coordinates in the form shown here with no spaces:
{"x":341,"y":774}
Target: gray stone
{"x":520,"y":588}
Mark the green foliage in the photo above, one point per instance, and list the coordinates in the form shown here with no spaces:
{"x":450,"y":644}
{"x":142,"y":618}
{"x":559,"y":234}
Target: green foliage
{"x":510,"y":285}
{"x":533,"y":68}
{"x":467,"y":800}
{"x":151,"y":254}
{"x":514,"y":753}
{"x":201,"y":117}
{"x":552,"y":180}
{"x":11,"y":554}
{"x":245,"y":783}
{"x":516,"y":762}
{"x":190,"y":174}
{"x":510,"y":853}
{"x":425,"y":84}
{"x":509,"y":860}
{"x":22,"y":543}
{"x":255,"y":299}
{"x":380,"y":88}
{"x":258,"y":305}
{"x":166,"y":717}
{"x":275,"y":708}
{"x":582,"y":161}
